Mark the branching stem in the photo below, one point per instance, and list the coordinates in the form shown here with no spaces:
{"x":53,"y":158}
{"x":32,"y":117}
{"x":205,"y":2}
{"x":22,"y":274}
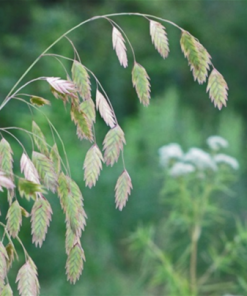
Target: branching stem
{"x":11,"y":95}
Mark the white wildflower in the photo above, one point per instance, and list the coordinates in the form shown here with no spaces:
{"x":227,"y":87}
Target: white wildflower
{"x":200,"y":159}
{"x":180,"y":169}
{"x":226,"y":159}
{"x":216,"y":143}
{"x":170,"y":151}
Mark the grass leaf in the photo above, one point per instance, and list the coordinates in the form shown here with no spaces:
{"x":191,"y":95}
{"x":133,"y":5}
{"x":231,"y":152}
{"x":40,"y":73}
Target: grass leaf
{"x":40,"y":220}
{"x":122,"y":190}
{"x":217,"y":88}
{"x":45,"y":170}
{"x":55,"y":158}
{"x":14,"y":219}
{"x":29,"y":189}
{"x":140,"y":80}
{"x":6,"y":159}
{"x":71,"y":201}
{"x":81,"y":79}
{"x":197,"y":56}
{"x":159,"y":38}
{"x":70,"y":239}
{"x":39,"y":139}
{"x":10,"y":254}
{"x":118,"y":43}
{"x":82,"y":122}
{"x":7,"y":291}
{"x":92,"y":165}
{"x":28,"y":284}
{"x":105,"y":110}
{"x":38,"y":101}
{"x":74,"y":263}
{"x":6,"y":164}
{"x":29,"y":170}
{"x":88,"y":108}
{"x":6,"y":182}
{"x":61,"y":86}
{"x":3,"y":263}
{"x":113,"y":144}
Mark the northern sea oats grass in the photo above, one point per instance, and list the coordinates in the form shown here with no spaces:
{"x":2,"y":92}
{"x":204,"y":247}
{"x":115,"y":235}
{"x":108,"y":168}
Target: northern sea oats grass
{"x":46,"y":170}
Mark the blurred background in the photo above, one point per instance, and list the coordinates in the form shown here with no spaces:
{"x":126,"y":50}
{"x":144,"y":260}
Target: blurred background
{"x":180,"y":112}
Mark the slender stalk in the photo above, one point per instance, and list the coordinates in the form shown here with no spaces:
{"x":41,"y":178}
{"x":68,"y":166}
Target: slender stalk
{"x":56,"y":132}
{"x":179,"y":282}
{"x":24,"y":85}
{"x":193,"y":260}
{"x":199,"y":211}
{"x":10,"y":240}
{"x":211,"y":269}
{"x":10,"y":95}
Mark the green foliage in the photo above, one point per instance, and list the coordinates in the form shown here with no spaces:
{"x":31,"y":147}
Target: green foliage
{"x":47,"y":169}
{"x":183,"y":253}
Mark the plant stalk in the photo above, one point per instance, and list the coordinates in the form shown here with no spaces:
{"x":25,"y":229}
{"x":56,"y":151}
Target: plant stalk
{"x":10,"y":94}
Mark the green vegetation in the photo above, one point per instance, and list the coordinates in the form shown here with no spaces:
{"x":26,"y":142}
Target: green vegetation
{"x":179,"y":111}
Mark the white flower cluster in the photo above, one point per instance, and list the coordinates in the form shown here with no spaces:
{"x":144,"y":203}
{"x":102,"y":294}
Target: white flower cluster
{"x":216,"y":143}
{"x":200,"y":159}
{"x":195,"y":159}
{"x":168,"y":152}
{"x":226,"y":159}
{"x":180,"y":169}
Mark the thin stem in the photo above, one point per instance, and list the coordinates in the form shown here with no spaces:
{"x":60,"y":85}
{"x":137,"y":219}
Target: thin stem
{"x":18,"y":141}
{"x":9,"y":96}
{"x":199,"y":210}
{"x":103,"y":90}
{"x":56,"y":132}
{"x":94,"y":76}
{"x":193,"y":260}
{"x":74,"y":48}
{"x":122,"y":154}
{"x":24,"y":85}
{"x":213,"y":266}
{"x":126,"y":37}
{"x":10,"y":240}
{"x":178,"y":281}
